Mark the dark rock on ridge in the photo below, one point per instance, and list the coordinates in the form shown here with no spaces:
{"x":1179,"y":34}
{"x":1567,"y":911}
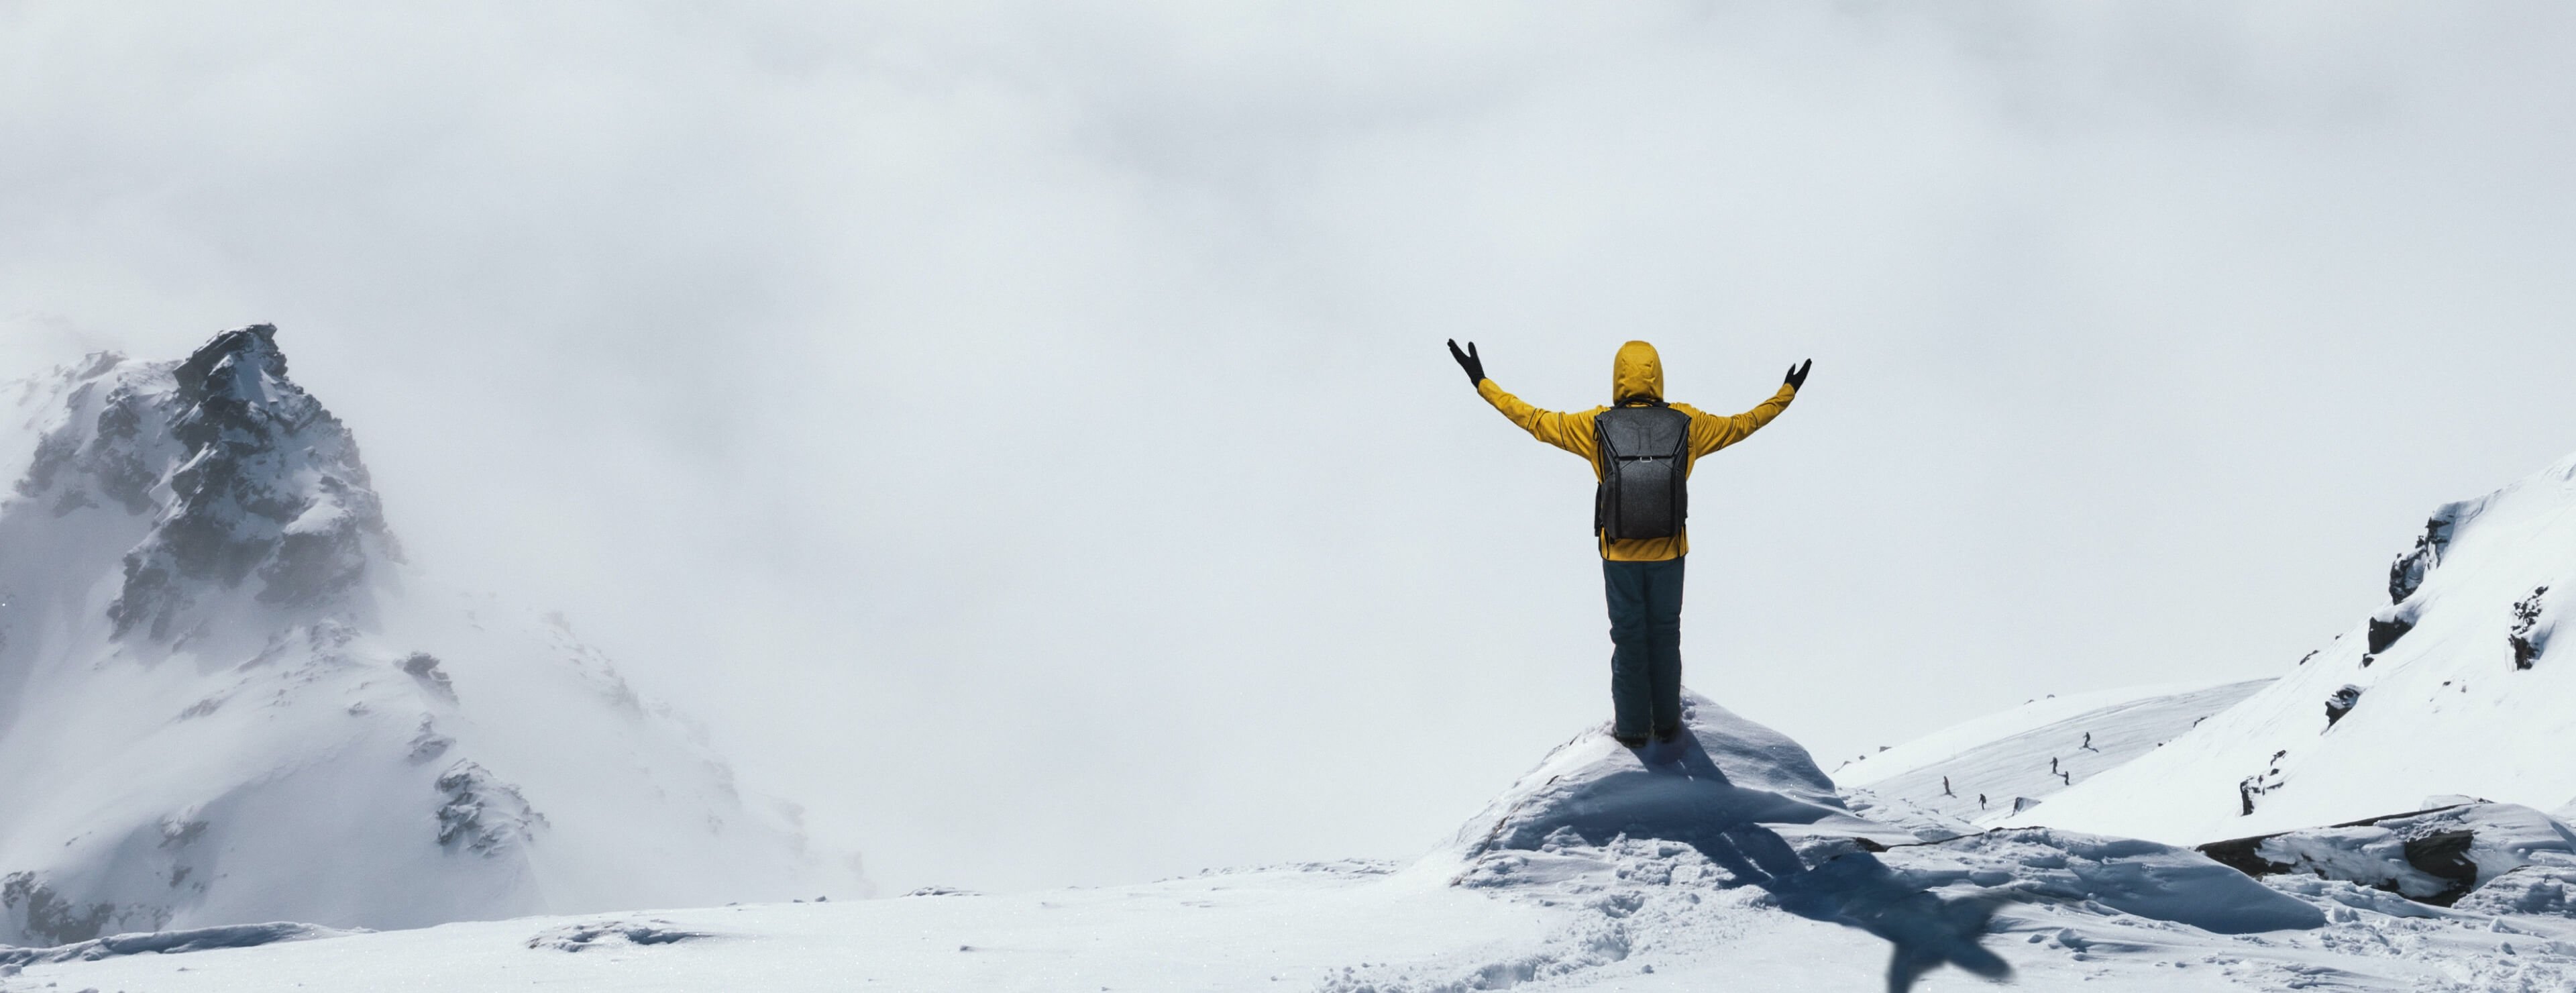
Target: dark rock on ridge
{"x":266,"y":483}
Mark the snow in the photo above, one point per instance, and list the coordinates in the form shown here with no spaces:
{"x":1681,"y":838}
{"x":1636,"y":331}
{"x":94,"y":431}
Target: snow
{"x":1948,"y":743}
{"x":241,"y":732}
{"x":1720,"y":861}
{"x":2435,"y":855}
{"x":215,"y":663}
{"x":172,"y":942}
{"x":2019,"y":755}
{"x":2139,"y":878}
{"x":1726,"y":770}
{"x":1656,"y":916}
{"x":2442,"y":709}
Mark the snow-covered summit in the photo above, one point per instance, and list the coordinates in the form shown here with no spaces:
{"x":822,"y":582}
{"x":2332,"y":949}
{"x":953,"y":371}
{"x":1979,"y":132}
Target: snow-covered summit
{"x":245,"y":489}
{"x":226,"y":698}
{"x":2454,"y":687}
{"x":1723,"y":772}
{"x":1648,"y":835}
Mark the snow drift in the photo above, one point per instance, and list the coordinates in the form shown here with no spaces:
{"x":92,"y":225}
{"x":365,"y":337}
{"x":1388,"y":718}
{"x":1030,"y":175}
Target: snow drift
{"x":225,"y":698}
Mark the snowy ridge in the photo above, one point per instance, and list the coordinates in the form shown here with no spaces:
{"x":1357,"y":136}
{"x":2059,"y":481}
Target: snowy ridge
{"x":2454,"y":687}
{"x":225,"y":698}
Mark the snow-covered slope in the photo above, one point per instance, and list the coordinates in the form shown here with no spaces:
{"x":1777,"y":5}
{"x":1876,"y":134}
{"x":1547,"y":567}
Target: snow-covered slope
{"x":1720,"y":862}
{"x":225,"y":698}
{"x":2455,"y":687}
{"x":1982,"y":770}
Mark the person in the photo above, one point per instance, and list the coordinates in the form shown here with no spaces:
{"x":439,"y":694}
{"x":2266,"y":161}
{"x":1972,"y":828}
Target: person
{"x":1642,"y":576}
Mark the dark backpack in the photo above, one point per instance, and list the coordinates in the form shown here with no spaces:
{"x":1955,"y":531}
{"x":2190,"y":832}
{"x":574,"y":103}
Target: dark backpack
{"x":1645,"y":460}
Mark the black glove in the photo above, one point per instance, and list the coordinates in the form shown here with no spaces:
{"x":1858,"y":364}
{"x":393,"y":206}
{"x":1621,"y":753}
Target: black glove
{"x":1798,"y":374}
{"x":1469,"y":361}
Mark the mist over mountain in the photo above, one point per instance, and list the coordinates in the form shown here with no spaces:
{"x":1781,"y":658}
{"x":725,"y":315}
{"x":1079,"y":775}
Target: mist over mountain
{"x":226,"y":697}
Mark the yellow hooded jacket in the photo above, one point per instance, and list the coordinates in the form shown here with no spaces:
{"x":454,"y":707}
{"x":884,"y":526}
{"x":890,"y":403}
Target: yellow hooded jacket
{"x":1636,"y":376}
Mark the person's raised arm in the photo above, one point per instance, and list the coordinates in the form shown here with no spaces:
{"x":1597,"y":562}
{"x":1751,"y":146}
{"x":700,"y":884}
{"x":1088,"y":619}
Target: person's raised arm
{"x":1572,"y":432}
{"x":1710,"y":432}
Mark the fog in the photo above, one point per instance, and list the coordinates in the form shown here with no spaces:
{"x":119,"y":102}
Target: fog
{"x":1022,"y":432}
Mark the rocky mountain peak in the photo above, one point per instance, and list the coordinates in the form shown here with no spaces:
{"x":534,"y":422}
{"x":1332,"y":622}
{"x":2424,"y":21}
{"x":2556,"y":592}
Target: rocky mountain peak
{"x":216,"y":674}
{"x":263,"y":486}
{"x":233,"y":366}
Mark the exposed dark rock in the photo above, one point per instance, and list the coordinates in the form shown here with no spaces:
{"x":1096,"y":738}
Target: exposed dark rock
{"x":2407,"y":573}
{"x":267,"y":483}
{"x":113,"y":453}
{"x":423,"y":668}
{"x":2435,"y":850}
{"x":2388,"y":626}
{"x":2445,"y":854}
{"x":582,"y":936}
{"x":54,"y":453}
{"x":167,"y":942}
{"x":47,"y":916}
{"x":2257,"y":785}
{"x":2528,"y":637}
{"x":2341,"y":703}
{"x":482,"y":814}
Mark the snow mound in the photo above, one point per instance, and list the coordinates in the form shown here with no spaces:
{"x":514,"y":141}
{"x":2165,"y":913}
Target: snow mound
{"x":1730,"y":804}
{"x":1724,"y":771}
{"x":2456,"y":685}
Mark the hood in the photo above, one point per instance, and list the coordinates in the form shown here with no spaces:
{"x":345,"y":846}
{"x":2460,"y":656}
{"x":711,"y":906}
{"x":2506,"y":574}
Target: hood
{"x":1638,"y":373}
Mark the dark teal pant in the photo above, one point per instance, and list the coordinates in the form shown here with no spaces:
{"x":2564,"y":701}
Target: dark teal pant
{"x":1646,"y":646}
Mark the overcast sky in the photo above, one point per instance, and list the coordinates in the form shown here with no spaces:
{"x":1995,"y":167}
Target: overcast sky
{"x":1022,"y":431}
